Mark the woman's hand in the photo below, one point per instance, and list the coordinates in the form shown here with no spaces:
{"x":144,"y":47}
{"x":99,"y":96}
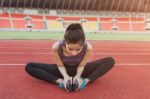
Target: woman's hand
{"x":68,"y":83}
{"x":80,"y":83}
{"x":77,"y":82}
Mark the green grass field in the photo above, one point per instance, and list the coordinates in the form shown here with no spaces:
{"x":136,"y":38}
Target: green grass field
{"x":89,"y":36}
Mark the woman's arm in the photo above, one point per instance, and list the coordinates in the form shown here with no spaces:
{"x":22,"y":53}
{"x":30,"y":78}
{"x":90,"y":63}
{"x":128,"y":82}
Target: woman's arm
{"x":84,"y":60}
{"x":82,"y":66}
{"x":60,"y":64}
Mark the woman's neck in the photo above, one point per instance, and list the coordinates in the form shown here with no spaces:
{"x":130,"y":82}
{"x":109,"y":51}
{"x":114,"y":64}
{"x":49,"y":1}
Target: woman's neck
{"x":65,"y":52}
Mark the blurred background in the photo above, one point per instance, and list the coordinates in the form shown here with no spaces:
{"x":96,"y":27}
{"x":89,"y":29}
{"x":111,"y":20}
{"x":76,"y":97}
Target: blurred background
{"x":101,"y":19}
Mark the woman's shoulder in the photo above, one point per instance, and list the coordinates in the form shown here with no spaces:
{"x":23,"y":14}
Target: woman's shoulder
{"x":57,"y":44}
{"x":89,"y":46}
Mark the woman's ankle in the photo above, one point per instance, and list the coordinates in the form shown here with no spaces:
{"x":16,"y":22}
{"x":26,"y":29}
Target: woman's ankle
{"x":87,"y":80}
{"x":58,"y":81}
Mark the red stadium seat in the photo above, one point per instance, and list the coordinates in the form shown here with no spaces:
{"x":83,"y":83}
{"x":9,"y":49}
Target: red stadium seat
{"x":4,"y":15}
{"x":5,"y":23}
{"x":18,"y":16}
{"x":38,"y":25}
{"x":51,"y":17}
{"x":71,"y":18}
{"x":19,"y":24}
{"x":36,"y":17}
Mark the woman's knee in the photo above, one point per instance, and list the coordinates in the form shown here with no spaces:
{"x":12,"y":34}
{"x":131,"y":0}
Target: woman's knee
{"x":29,"y":66}
{"x":110,"y":61}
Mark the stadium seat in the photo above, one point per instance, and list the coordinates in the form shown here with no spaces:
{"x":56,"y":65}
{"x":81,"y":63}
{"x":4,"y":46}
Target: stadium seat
{"x":5,"y":23}
{"x":38,"y":25}
{"x":55,"y":25}
{"x":138,"y":24}
{"x":91,"y":25}
{"x":19,"y":24}
{"x":4,"y":15}
{"x":105,"y":24}
{"x":18,"y":16}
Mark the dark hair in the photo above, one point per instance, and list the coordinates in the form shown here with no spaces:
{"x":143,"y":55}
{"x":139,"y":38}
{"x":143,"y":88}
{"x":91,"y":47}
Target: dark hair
{"x":74,"y":34}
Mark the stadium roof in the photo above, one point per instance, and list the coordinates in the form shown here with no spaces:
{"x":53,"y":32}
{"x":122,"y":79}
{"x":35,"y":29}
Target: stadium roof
{"x":86,"y":5}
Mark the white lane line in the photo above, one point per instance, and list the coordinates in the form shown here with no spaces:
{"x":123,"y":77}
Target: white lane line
{"x":94,"y":48}
{"x":119,"y":64}
{"x":12,"y":64}
{"x":50,"y":53}
{"x":25,"y":53}
{"x":27,"y":47}
{"x":133,"y":64}
{"x":122,"y":53}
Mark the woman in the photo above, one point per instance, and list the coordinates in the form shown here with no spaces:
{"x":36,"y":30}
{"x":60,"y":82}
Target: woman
{"x":72,"y":71}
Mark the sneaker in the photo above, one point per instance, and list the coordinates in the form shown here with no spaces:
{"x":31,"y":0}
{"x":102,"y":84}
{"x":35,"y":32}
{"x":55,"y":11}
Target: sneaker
{"x":61,"y":85}
{"x":69,"y":86}
{"x":84,"y":83}
{"x":75,"y":85}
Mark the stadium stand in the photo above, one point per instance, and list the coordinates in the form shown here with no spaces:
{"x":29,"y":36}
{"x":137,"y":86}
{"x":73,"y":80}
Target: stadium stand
{"x":105,"y":24}
{"x":123,"y":24}
{"x":57,"y":23}
{"x":19,"y":24}
{"x":147,"y":24}
{"x":5,"y":21}
{"x":55,"y":15}
{"x":138,"y":24}
{"x":91,"y":24}
{"x":71,"y":18}
{"x":54,"y":24}
{"x":18,"y":16}
{"x":38,"y":25}
{"x":18,"y":21}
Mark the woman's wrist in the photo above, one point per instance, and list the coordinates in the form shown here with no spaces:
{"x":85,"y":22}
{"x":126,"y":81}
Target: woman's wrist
{"x":79,"y":71}
{"x":63,"y":71}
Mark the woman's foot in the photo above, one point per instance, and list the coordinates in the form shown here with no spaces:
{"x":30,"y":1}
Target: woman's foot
{"x":80,"y":86}
{"x":67,"y":86}
{"x":60,"y":83}
{"x":85,"y":81}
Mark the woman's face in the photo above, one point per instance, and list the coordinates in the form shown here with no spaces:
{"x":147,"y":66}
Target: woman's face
{"x":73,"y":49}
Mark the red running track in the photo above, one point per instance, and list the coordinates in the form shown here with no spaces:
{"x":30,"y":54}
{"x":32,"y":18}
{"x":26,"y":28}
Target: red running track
{"x":130,"y":78}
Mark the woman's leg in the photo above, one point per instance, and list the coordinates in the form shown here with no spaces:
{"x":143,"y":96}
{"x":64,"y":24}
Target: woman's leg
{"x":97,"y":68}
{"x":48,"y":72}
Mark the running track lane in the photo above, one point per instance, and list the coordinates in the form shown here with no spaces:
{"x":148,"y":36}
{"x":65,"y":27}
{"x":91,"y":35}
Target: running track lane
{"x":123,"y":82}
{"x":24,"y":51}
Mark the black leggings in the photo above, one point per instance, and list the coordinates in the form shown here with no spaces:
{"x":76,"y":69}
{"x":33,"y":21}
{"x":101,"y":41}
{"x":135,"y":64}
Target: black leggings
{"x":50,"y":72}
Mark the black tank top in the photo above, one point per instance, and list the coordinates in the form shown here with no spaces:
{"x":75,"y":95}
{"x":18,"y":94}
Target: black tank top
{"x":71,"y":60}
